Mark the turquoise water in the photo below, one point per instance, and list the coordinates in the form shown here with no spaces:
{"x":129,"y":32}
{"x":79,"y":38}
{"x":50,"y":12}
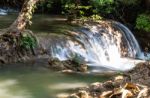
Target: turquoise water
{"x":23,"y":81}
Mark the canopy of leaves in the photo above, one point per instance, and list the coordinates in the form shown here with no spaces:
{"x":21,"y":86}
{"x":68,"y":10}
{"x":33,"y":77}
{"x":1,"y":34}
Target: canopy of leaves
{"x":143,"y":22}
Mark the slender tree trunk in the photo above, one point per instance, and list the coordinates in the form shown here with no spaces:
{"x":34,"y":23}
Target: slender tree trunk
{"x":24,"y":17}
{"x":147,"y":3}
{"x":10,"y":47}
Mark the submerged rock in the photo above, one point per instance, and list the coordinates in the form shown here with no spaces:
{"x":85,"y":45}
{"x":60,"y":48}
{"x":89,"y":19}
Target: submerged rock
{"x":66,"y":66}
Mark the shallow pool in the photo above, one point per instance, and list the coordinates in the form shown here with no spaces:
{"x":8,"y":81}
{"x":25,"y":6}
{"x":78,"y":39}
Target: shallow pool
{"x":26,"y":81}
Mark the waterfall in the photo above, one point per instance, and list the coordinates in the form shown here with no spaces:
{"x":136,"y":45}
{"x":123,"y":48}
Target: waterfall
{"x":102,"y":45}
{"x":133,"y":46}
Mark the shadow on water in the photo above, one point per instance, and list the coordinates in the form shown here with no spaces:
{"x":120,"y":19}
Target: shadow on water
{"x":24,"y":81}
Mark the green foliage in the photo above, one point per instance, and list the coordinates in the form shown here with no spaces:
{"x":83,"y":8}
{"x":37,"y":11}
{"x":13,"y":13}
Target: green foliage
{"x":28,"y":41}
{"x":96,"y":17}
{"x":74,"y":9}
{"x":143,"y":22}
{"x":103,"y":6}
{"x":46,"y":4}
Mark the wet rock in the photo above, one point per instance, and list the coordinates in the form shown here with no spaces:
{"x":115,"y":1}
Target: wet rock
{"x":2,"y":60}
{"x":67,"y":71}
{"x":119,"y":78}
{"x":140,"y":74}
{"x":80,"y":94}
{"x":66,"y":66}
{"x":133,"y":84}
{"x":83,"y":94}
{"x":73,"y":96}
{"x":126,"y":90}
{"x":11,"y":51}
{"x":82,"y":68}
{"x":56,"y":64}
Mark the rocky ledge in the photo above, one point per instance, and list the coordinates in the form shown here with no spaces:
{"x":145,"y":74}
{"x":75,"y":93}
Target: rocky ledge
{"x":132,"y":84}
{"x":67,"y":66}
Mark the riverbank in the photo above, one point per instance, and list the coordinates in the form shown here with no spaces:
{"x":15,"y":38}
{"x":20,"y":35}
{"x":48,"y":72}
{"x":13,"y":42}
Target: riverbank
{"x":56,"y":32}
{"x":132,"y":84}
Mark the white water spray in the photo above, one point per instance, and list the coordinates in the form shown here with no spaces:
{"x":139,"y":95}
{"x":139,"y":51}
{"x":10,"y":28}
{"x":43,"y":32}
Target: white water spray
{"x":99,"y":46}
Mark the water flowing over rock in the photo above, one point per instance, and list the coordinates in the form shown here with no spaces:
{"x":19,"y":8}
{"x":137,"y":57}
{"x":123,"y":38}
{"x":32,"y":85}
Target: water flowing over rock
{"x":103,"y":44}
{"x":5,"y":11}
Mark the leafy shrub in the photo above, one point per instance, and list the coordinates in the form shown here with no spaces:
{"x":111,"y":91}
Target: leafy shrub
{"x":28,"y":41}
{"x":103,"y":6}
{"x":143,"y":22}
{"x":74,"y":8}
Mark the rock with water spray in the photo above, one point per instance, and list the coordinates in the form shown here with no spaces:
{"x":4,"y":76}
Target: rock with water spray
{"x":66,"y":66}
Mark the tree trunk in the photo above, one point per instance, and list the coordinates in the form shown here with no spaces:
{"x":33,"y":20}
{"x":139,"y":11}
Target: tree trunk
{"x":147,"y":3}
{"x":24,"y":17}
{"x":11,"y":49}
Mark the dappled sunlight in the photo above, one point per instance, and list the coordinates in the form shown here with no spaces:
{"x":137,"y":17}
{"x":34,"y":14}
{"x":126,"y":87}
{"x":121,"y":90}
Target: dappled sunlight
{"x":62,"y":86}
{"x":62,"y":95}
{"x":7,"y":90}
{"x":31,"y":83}
{"x":102,"y":45}
{"x":7,"y":83}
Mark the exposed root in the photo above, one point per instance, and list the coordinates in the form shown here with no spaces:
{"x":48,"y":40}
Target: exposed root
{"x":10,"y":49}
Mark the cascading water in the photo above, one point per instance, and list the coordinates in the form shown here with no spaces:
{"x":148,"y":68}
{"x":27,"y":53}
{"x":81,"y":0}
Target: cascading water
{"x":6,"y":10}
{"x":133,"y":46}
{"x":102,"y":45}
{"x":3,"y":12}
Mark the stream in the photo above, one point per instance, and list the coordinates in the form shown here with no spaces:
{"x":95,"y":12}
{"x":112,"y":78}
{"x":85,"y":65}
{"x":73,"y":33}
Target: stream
{"x":32,"y":80}
{"x":106,"y":46}
{"x":23,"y":81}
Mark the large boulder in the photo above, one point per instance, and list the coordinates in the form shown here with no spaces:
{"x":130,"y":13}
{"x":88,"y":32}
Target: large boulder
{"x":140,"y":74}
{"x":132,"y":84}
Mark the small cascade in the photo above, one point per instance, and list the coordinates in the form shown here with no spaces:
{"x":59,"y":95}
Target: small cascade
{"x":102,"y":45}
{"x":134,"y":49}
{"x":3,"y":12}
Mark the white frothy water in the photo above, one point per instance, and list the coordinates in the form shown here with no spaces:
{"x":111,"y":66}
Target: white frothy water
{"x":133,"y":46}
{"x":3,"y":12}
{"x":99,"y":46}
